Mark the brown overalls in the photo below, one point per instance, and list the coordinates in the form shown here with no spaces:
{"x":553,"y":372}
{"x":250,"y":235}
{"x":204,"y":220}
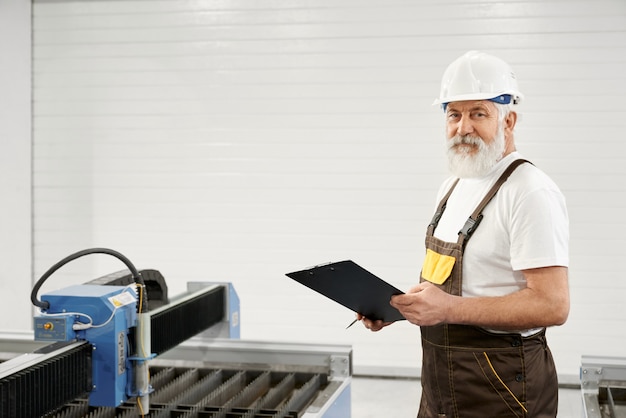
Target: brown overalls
{"x":468,"y":372}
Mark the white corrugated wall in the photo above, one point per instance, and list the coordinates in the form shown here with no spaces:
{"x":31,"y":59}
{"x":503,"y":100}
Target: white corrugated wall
{"x":240,"y":140}
{"x":15,"y":164}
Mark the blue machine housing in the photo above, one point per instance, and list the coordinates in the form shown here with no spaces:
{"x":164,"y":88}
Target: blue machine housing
{"x":113,"y":311}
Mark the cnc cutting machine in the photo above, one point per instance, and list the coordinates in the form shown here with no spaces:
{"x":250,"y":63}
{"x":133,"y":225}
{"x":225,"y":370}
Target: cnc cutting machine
{"x":118,"y":346}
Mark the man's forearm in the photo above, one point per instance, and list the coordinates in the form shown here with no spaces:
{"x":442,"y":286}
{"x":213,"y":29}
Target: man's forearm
{"x":544,"y":303}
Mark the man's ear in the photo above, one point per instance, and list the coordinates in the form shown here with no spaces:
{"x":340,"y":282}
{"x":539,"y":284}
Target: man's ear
{"x":510,"y":121}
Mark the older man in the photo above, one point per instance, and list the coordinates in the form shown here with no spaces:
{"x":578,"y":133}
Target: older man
{"x":495,"y":271}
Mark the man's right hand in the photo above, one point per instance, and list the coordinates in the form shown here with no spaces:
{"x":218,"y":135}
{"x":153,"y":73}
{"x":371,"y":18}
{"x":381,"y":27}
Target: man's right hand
{"x":372,"y":325}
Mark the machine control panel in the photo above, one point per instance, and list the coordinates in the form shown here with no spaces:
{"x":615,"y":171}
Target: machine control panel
{"x":54,"y":329}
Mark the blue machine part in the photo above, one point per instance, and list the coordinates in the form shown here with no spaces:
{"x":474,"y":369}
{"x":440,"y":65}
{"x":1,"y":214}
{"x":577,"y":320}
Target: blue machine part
{"x":101,"y":315}
{"x":340,"y":404}
{"x":234,"y":319}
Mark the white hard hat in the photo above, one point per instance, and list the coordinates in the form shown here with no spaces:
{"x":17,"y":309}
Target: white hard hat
{"x":479,"y":76}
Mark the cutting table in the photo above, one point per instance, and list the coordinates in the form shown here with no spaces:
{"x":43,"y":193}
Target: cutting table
{"x":97,"y":351}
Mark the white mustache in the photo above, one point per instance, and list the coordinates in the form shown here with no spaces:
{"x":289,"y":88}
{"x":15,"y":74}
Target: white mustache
{"x":464,"y":140}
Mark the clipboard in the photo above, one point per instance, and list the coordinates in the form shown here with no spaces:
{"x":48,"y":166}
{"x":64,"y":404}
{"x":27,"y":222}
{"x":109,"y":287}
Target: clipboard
{"x":351,"y":285}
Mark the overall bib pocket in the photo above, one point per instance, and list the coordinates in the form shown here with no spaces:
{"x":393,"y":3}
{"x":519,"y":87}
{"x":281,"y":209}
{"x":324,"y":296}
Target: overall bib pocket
{"x":437,"y":267}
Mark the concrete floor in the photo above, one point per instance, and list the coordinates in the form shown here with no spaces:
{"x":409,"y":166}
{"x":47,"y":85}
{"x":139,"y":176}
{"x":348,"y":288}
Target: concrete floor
{"x":399,"y":398}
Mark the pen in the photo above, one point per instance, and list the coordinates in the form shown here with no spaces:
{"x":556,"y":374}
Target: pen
{"x":352,"y":323}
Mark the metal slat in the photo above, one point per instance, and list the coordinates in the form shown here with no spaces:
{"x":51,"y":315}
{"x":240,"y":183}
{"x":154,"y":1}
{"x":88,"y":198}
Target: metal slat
{"x":172,"y":389}
{"x":162,"y":377}
{"x":302,"y":396}
{"x":278,"y":393}
{"x":196,"y":393}
{"x":227,"y":391}
{"x":252,"y":392}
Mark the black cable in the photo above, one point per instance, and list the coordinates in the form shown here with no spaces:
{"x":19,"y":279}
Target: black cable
{"x":45,"y":305}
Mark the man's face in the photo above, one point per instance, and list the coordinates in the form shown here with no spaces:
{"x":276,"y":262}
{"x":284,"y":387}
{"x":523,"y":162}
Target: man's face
{"x":477,"y":118}
{"x":476,"y":139}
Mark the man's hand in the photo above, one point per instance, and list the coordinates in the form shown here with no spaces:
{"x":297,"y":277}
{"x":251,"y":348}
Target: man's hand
{"x":424,"y":304}
{"x":372,"y":325}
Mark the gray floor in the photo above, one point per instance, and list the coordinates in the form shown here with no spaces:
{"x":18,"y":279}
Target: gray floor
{"x":399,"y":398}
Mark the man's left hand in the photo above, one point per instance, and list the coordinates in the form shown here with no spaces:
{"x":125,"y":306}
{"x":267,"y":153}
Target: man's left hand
{"x":424,"y":304}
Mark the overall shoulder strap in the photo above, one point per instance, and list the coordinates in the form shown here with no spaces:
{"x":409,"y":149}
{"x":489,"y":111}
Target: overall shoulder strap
{"x":474,"y":220}
{"x":440,"y":208}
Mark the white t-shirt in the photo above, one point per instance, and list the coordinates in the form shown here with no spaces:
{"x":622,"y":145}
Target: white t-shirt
{"x":524,"y":226}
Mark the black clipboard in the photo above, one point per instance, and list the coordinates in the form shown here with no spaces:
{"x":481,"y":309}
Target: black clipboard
{"x":352,"y":286}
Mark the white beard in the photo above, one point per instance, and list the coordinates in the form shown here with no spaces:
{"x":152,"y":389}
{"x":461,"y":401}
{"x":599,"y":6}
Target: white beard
{"x":463,"y":164}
